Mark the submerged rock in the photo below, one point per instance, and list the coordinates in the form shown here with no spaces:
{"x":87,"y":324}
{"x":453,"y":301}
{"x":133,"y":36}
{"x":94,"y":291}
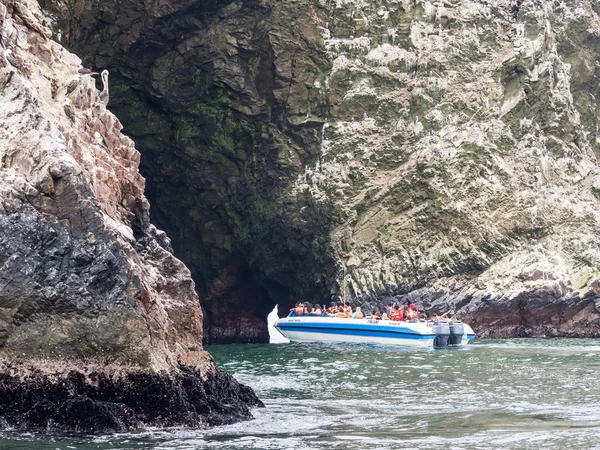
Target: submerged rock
{"x":98,"y":319}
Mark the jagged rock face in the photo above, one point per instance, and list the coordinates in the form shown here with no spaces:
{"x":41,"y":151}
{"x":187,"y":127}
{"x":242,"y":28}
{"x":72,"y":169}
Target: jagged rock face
{"x":443,"y":152}
{"x":80,"y":257}
{"x":84,"y":277}
{"x":222,"y":100}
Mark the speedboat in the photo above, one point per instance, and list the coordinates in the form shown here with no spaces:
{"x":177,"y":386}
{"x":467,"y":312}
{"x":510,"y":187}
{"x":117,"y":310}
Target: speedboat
{"x":421,"y":334}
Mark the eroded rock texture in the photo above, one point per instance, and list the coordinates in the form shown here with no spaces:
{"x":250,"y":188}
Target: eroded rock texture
{"x":439,"y":151}
{"x":85,"y":279}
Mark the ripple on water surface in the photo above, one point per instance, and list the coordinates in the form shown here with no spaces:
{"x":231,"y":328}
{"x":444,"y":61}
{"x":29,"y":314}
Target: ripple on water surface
{"x":509,"y":394}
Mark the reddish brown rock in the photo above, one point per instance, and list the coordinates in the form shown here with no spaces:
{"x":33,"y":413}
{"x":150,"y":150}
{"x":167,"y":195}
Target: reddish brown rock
{"x":85,"y":279}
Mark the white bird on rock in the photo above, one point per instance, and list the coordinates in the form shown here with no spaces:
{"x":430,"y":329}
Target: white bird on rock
{"x":104,"y":94}
{"x":68,"y":109}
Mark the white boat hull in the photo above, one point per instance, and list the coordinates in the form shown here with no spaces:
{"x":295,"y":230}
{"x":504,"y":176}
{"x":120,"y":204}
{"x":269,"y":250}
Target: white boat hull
{"x":330,"y":329}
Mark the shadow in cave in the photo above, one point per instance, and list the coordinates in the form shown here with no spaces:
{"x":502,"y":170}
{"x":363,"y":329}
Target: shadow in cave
{"x":217,"y":128}
{"x":235,"y":305}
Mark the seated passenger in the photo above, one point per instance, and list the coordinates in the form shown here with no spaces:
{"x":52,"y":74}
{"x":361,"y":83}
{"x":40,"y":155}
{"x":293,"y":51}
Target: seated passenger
{"x":332,"y":308}
{"x":377,"y":315}
{"x":348,"y":310}
{"x":400,"y":314}
{"x":384,"y":316}
{"x":358,"y":314}
{"x":388,"y":308}
{"x":299,"y":309}
{"x":318,"y":310}
{"x":342,"y":311}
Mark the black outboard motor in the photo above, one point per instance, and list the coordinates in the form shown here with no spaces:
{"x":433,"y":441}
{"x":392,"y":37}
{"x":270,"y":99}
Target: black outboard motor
{"x":442,"y":333}
{"x":457,"y":330}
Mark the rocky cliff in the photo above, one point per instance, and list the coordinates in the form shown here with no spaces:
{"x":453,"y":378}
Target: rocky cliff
{"x":100,"y":326}
{"x":437,"y":151}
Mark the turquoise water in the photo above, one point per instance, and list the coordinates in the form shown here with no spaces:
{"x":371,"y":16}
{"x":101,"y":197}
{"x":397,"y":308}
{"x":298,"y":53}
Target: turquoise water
{"x":509,"y":394}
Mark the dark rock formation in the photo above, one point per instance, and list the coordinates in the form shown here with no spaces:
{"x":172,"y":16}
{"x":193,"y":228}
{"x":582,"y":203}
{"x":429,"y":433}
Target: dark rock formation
{"x":221,"y":98}
{"x":369,"y":148}
{"x":106,"y":400}
{"x":85,"y":279}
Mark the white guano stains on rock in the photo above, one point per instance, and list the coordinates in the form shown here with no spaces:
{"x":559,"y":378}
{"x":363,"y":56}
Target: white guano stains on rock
{"x":477,"y":121}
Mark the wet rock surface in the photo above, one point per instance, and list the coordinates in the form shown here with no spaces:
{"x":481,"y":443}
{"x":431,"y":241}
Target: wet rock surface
{"x":85,"y":279}
{"x":370,"y":149}
{"x":84,"y":400}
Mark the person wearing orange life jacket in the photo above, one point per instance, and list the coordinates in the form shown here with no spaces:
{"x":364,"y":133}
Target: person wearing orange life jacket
{"x":400,"y":314}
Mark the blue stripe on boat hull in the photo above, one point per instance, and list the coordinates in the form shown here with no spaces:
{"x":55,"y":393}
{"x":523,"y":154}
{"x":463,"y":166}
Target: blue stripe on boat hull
{"x":347,"y":331}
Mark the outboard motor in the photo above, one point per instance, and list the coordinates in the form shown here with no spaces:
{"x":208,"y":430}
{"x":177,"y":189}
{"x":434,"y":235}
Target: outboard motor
{"x":442,"y":333}
{"x":457,"y":330}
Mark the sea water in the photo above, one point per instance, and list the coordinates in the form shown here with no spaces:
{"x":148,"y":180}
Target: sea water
{"x":505,"y":394}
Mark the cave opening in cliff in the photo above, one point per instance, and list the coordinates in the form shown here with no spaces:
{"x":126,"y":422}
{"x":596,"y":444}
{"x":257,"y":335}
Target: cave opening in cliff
{"x":217,"y":106}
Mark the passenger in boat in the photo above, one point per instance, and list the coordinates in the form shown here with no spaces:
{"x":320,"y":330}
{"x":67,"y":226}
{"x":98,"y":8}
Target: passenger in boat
{"x":377,"y":315}
{"x":318,"y":310}
{"x":399,"y":314}
{"x":388,"y":308}
{"x":348,"y":310}
{"x":411,"y":314}
{"x":332,"y":308}
{"x":299,"y":309}
{"x":384,"y":316}
{"x":358,"y":314}
{"x":342,"y":312}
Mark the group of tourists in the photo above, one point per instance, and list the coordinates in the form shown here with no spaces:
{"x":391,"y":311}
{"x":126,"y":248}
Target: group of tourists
{"x":393,"y":311}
